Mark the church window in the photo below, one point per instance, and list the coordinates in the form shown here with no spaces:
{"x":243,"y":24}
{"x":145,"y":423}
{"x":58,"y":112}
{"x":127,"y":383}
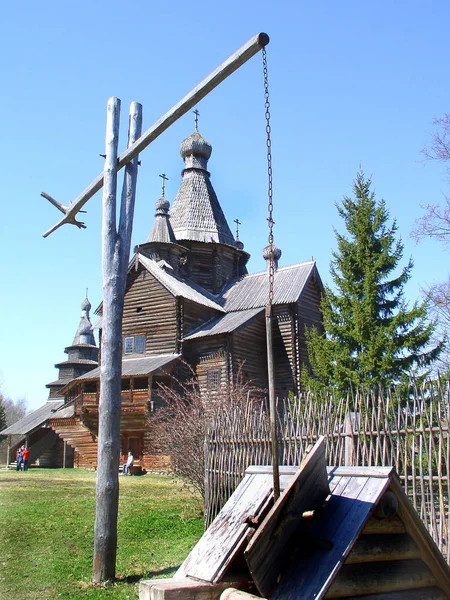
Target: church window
{"x":139,"y":344}
{"x":129,"y":344}
{"x":213,"y":377}
{"x":134,"y":344}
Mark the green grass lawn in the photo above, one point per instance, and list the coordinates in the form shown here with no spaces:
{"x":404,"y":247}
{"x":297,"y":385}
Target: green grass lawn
{"x":46,"y":533}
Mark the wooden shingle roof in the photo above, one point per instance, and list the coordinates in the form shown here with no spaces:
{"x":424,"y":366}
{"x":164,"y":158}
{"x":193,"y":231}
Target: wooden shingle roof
{"x":225,"y":324}
{"x":180,"y":288}
{"x":136,"y":366}
{"x":252,"y":290}
{"x":34,"y":419}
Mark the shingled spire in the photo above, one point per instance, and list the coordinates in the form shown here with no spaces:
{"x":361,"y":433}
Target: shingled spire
{"x":196,"y":214}
{"x":82,"y":354}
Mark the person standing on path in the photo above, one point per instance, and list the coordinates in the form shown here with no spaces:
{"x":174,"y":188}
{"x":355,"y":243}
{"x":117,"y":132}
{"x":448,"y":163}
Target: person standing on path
{"x":25,"y":457}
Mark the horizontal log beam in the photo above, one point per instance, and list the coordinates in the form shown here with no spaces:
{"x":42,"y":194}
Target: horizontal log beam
{"x":241,"y":56}
{"x":378,"y":548}
{"x":372,"y":578}
{"x":432,"y":593}
{"x":171,"y":589}
{"x":234,"y":594}
{"x":386,"y":526}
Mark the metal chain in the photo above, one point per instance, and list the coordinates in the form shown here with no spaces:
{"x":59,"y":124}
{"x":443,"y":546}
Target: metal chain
{"x":269,"y":174}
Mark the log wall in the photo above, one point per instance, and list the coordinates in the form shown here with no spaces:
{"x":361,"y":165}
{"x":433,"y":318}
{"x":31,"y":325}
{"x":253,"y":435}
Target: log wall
{"x":150,"y":309}
{"x":249,"y":351}
{"x":284,"y":350}
{"x":195,"y":315}
{"x":308,"y":315}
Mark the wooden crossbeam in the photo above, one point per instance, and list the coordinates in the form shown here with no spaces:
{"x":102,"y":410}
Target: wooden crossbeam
{"x":254,"y":45}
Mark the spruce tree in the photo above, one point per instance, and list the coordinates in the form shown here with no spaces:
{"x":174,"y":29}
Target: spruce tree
{"x":371,"y":337}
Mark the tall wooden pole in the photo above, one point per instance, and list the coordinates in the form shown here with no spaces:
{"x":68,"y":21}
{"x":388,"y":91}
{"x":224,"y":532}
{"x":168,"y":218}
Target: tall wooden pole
{"x":115,"y":253}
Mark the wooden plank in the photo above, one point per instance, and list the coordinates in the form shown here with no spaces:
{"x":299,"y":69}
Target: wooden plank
{"x":222,"y":541}
{"x":380,"y":472}
{"x":392,"y":576}
{"x":233,"y":594}
{"x":430,"y":553}
{"x":267,"y":470}
{"x":316,"y":563}
{"x":387,"y":526}
{"x":185,"y":589}
{"x":236,"y":60}
{"x":380,"y":548}
{"x":430,"y":593}
{"x":307,"y":491}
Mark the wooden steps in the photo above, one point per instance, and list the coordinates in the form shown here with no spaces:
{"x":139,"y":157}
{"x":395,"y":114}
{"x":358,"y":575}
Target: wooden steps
{"x":80,"y":438}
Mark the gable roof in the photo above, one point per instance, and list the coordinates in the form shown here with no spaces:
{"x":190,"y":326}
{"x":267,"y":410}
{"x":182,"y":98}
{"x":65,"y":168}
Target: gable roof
{"x":187,"y":289}
{"x":252,"y":290}
{"x":34,"y":419}
{"x":225,"y":324}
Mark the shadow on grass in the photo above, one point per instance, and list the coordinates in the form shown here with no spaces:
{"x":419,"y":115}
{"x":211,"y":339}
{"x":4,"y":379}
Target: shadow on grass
{"x":148,"y":575}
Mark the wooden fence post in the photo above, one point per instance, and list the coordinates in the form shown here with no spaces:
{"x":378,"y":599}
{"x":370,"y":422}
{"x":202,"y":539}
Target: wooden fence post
{"x":351,"y":423}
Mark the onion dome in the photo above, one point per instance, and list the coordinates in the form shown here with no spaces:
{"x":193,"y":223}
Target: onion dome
{"x":239,"y":245}
{"x":86,"y":306}
{"x":196,"y":213}
{"x":84,"y":333}
{"x":195,"y":145}
{"x":162,"y":206}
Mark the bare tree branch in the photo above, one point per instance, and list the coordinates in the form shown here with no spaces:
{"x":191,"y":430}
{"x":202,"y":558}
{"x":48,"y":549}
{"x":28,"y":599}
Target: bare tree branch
{"x":178,"y":429}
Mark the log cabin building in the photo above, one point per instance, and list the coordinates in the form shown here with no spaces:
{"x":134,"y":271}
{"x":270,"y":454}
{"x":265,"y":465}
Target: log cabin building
{"x":190,"y":299}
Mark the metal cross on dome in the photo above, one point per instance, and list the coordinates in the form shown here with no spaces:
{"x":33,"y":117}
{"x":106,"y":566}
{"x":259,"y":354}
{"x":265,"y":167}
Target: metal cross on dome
{"x":163,"y":185}
{"x":237,"y":228}
{"x":197,"y":114}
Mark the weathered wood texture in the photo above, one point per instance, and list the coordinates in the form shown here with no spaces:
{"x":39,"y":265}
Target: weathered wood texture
{"x":80,"y":438}
{"x":432,"y":593}
{"x":382,"y":547}
{"x":226,"y":536}
{"x":194,"y":315}
{"x":151,"y":310}
{"x":284,"y":350}
{"x":391,"y":526}
{"x":211,"y":360}
{"x":234,"y":594}
{"x":266,"y":553}
{"x":212,"y":270}
{"x":413,"y":438}
{"x":308,"y":315}
{"x":115,"y":252}
{"x":248,"y":352}
{"x":312,"y":570}
{"x":385,"y":577}
{"x":185,"y":589}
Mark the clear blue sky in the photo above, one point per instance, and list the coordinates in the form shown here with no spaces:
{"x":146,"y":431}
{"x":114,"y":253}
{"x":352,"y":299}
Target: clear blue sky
{"x":351,"y":82}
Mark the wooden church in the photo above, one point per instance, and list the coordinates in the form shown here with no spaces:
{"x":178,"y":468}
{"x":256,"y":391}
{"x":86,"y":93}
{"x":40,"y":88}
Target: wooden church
{"x":190,"y":299}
